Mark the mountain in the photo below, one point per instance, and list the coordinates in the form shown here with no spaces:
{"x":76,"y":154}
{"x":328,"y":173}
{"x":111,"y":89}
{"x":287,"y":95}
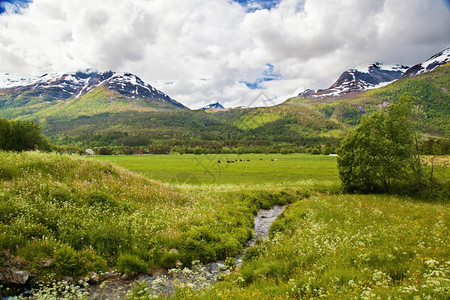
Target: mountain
{"x":213,"y":106}
{"x":431,"y":89}
{"x":109,"y":109}
{"x":358,"y":80}
{"x":429,"y":65}
{"x":78,"y":93}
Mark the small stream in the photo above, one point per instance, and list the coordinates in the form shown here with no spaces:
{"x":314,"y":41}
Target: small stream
{"x":199,"y":276}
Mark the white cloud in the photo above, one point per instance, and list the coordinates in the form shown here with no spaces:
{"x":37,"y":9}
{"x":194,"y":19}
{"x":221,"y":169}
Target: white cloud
{"x":205,"y":48}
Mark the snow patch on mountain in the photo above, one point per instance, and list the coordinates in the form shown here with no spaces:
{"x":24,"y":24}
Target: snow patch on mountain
{"x":429,"y":65}
{"x":359,"y":79}
{"x":73,"y":85}
{"x":216,"y":106}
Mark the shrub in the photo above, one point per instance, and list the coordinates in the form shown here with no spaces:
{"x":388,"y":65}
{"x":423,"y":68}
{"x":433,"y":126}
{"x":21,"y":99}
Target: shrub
{"x":108,"y":238}
{"x":227,"y":247}
{"x":66,"y":262}
{"x":315,"y":151}
{"x":22,"y":136}
{"x":131,"y":264}
{"x":250,"y":253}
{"x":273,"y":269}
{"x":6,"y":174}
{"x":198,"y":250}
{"x":105,"y":151}
{"x":37,"y":249}
{"x":169,"y":260}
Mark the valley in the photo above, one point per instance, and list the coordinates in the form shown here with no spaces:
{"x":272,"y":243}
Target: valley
{"x":71,"y":218}
{"x":111,"y":189}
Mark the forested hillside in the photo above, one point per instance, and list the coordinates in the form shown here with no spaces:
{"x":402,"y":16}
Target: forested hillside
{"x":431,"y":90}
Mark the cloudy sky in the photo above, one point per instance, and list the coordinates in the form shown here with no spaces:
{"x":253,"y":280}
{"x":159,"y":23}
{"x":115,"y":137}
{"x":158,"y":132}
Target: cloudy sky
{"x":200,"y":51}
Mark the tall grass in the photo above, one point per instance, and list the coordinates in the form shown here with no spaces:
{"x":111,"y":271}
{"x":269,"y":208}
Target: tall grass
{"x":348,"y":247}
{"x":84,"y":215}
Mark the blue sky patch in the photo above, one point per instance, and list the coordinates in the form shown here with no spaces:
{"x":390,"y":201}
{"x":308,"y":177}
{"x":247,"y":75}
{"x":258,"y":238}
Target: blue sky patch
{"x":253,"y":5}
{"x":13,"y":6}
{"x":447,"y":2}
{"x":268,"y":75}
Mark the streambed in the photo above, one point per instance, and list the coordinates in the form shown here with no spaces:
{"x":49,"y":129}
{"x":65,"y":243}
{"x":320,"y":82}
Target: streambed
{"x":198,"y":276}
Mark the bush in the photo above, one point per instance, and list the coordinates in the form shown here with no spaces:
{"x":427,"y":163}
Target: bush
{"x":66,"y":262}
{"x":38,"y":249}
{"x":315,"y":151}
{"x":169,"y":260}
{"x":105,"y":151}
{"x":131,"y":264}
{"x":198,"y":250}
{"x":22,"y":136}
{"x":251,"y":253}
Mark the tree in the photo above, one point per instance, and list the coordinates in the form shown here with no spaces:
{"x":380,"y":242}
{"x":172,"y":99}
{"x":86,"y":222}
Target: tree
{"x":22,"y":136}
{"x":381,"y":154}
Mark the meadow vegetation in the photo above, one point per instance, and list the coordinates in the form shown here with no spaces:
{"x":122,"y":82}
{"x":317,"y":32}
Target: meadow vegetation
{"x":347,"y":247}
{"x":64,"y":215}
{"x":246,"y":169}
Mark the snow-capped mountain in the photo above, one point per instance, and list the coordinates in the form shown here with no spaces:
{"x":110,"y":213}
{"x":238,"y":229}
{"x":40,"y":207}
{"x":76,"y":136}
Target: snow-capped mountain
{"x":432,"y":63}
{"x":216,"y":105}
{"x":74,"y":85}
{"x":359,"y":79}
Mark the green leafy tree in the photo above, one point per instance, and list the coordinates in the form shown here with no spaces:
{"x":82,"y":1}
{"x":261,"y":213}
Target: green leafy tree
{"x":381,"y":153}
{"x":22,"y":136}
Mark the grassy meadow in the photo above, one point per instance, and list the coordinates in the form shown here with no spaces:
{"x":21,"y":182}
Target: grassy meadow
{"x":247,"y":169}
{"x":64,"y":215}
{"x":347,"y":247}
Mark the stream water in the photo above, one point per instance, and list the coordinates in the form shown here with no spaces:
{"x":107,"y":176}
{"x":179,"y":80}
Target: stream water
{"x":197,"y":276}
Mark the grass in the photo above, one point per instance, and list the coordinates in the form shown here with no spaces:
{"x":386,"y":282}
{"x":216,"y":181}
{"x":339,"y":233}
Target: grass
{"x":205,"y":169}
{"x":83,"y":215}
{"x":347,"y":247}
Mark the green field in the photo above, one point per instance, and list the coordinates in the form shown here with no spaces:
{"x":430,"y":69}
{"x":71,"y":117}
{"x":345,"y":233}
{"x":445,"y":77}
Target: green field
{"x":205,"y":169}
{"x":85,"y":215}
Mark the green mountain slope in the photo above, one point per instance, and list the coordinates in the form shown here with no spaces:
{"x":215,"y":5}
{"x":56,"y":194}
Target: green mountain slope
{"x":286,"y":123}
{"x":432,"y":91}
{"x":98,"y":100}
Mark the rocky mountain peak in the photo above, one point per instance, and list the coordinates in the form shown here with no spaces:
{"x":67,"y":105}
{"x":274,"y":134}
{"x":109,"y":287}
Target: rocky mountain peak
{"x":215,"y":105}
{"x":359,"y":79}
{"x":63,"y":86}
{"x":430,"y":64}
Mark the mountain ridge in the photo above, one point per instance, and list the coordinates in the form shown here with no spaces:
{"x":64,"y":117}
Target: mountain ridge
{"x":35,"y":93}
{"x":213,"y":106}
{"x":358,"y":80}
{"x":430,"y":64}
